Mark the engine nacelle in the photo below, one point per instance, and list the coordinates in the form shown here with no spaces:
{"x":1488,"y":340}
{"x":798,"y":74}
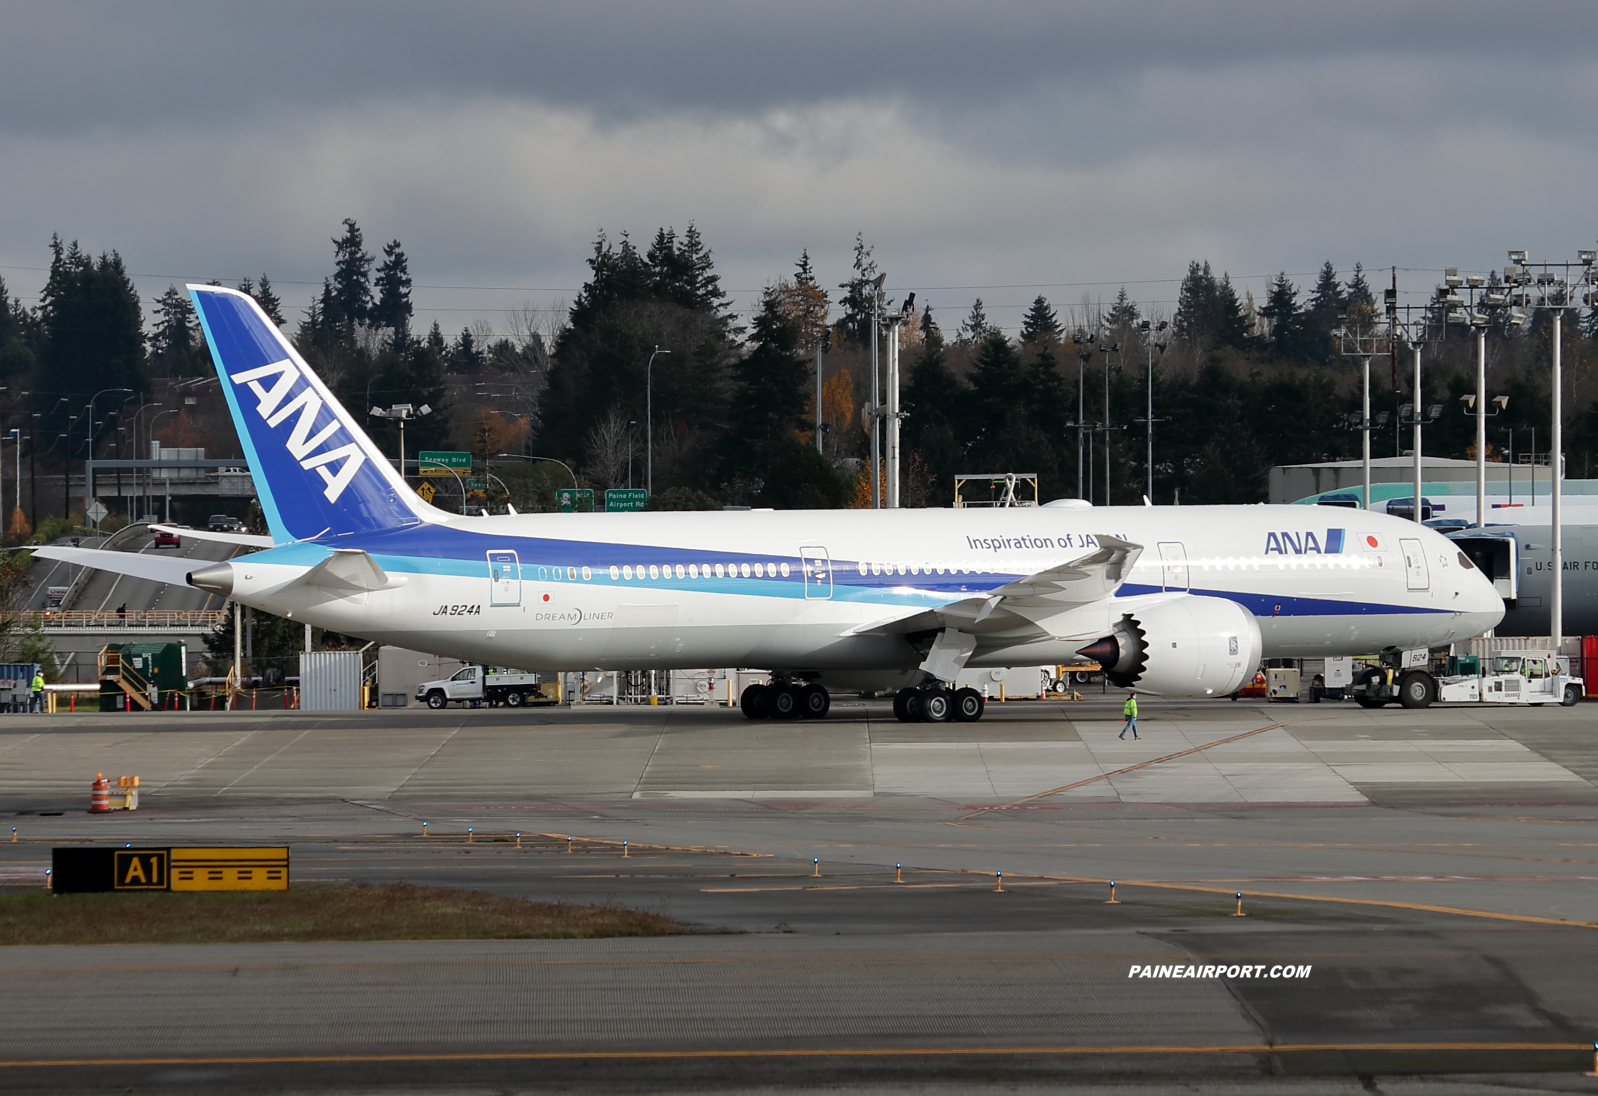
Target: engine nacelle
{"x":1184,"y":646}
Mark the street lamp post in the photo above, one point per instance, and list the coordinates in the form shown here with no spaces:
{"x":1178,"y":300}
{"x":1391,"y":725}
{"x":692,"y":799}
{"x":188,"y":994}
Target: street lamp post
{"x":401,"y":413}
{"x":874,"y":287}
{"x":1106,"y":351}
{"x":649,"y":421}
{"x":1083,"y":353}
{"x":1150,"y":346}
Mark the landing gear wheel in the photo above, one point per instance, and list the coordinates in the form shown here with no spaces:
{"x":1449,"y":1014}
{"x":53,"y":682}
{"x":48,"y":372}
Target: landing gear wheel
{"x":814,"y":702}
{"x":1370,"y":679}
{"x":784,"y":702}
{"x":756,"y":701}
{"x":1572,"y":696}
{"x":936,"y":706}
{"x":915,"y":707}
{"x":436,"y":700}
{"x":513,"y":699}
{"x":1416,"y":689}
{"x":968,"y":705}
{"x":901,"y":705}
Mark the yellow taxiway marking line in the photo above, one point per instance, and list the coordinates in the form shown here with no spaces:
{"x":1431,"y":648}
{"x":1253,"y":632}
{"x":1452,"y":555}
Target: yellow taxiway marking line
{"x":798,"y":1052}
{"x":1422,"y":907}
{"x":1133,"y":768}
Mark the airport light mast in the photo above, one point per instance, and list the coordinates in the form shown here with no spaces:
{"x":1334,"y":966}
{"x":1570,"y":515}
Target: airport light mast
{"x":1414,"y":333}
{"x":1361,"y":335}
{"x":1084,"y":351}
{"x":1558,"y":288}
{"x":1477,"y":312}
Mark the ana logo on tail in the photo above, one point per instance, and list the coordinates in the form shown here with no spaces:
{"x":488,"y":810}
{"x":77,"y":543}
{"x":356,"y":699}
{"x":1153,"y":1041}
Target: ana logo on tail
{"x":273,"y":384}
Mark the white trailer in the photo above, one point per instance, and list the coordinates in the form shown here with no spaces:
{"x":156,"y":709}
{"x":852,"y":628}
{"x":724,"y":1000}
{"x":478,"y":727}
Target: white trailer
{"x":474,"y":684}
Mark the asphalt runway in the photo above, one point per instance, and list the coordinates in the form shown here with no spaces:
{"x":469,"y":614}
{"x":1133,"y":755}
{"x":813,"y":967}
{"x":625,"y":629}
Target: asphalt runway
{"x":1434,"y":871}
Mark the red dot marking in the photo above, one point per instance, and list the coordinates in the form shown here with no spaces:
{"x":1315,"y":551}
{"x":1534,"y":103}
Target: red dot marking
{"x":1368,"y":540}
{"x":546,"y":597}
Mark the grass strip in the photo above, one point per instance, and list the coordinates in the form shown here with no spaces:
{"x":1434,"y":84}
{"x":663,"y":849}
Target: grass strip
{"x":387,"y":911}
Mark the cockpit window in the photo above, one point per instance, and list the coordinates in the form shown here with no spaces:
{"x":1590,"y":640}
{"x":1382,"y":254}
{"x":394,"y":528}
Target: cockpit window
{"x":1464,"y":561}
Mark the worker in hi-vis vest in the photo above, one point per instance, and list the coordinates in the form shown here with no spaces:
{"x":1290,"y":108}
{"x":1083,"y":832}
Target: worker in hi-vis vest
{"x":37,"y":704}
{"x":1129,"y":709}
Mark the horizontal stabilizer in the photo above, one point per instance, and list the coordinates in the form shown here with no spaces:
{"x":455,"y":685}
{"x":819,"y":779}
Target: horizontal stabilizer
{"x":247,"y":540}
{"x":172,"y":570}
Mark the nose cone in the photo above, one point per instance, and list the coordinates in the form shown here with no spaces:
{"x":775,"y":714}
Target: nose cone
{"x":1479,"y":602}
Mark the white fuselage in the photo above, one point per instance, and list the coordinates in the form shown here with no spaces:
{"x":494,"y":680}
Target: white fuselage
{"x":803,"y":590}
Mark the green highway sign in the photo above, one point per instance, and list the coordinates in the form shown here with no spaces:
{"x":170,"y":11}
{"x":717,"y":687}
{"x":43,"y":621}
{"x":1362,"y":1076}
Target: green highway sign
{"x":442,"y":463}
{"x":578,"y":500}
{"x":476,"y":485}
{"x":624,"y":499}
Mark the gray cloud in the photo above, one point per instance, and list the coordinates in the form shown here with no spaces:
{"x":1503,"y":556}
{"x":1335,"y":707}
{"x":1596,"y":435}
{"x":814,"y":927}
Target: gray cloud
{"x":974,"y":145}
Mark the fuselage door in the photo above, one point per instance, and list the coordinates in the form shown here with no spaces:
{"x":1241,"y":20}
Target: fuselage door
{"x":504,"y":579}
{"x":1415,"y":572}
{"x":817,"y":567}
{"x":1173,"y":565}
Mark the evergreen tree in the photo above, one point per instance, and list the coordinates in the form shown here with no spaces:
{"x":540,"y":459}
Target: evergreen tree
{"x":1359,"y":290}
{"x":1123,"y":315}
{"x":92,"y":335}
{"x":1040,"y":324}
{"x":936,"y":405}
{"x":393,"y":307}
{"x":805,"y":302}
{"x":1194,"y":300}
{"x":1003,"y":428}
{"x":1326,"y":303}
{"x":16,"y":324}
{"x":1208,"y":313}
{"x":1287,"y":322}
{"x":1230,"y":325}
{"x":761,"y":446}
{"x":351,"y":282}
{"x":974,"y":328}
{"x":600,"y":361}
{"x":465,"y":356}
{"x":268,"y":301}
{"x":855,"y":304}
{"x":173,"y":346}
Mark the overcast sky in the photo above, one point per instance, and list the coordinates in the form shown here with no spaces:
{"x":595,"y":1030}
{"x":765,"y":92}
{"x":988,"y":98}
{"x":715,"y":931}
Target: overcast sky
{"x":984,"y":149}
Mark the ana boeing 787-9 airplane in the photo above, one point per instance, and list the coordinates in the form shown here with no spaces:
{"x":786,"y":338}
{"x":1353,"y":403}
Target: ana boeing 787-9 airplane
{"x":1173,"y":601}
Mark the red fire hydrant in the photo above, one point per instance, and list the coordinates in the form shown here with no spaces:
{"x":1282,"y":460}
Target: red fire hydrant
{"x":99,"y":795}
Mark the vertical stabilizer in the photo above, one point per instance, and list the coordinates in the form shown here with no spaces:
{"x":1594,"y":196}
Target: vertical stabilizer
{"x":315,"y":469}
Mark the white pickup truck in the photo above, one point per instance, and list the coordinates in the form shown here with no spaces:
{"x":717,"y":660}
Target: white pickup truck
{"x":473,"y":685}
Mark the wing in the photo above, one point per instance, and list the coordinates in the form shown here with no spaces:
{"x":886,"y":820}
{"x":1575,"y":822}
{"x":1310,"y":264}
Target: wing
{"x":1031,"y":600}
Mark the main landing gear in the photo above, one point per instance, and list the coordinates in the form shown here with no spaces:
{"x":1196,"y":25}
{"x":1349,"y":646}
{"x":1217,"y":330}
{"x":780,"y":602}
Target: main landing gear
{"x":935,"y":703}
{"x":785,"y":700}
